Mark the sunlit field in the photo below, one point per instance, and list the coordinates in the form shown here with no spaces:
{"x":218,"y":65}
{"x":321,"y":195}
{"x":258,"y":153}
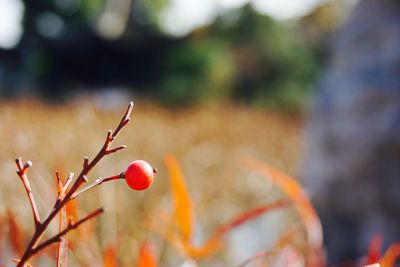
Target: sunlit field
{"x":208,"y":142}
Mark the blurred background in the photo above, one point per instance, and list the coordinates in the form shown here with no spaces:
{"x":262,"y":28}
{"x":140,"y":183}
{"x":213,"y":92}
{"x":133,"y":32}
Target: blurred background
{"x":266,"y":53}
{"x":226,"y":78}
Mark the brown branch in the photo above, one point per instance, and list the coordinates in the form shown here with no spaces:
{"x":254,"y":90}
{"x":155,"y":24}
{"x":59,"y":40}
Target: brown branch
{"x":113,"y":150}
{"x":97,"y":182}
{"x":85,"y":161}
{"x":60,"y":203}
{"x":124,"y":121}
{"x":71,"y":226}
{"x":22,"y":170}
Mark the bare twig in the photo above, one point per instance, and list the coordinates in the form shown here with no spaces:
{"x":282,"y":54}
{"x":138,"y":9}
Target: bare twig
{"x":85,"y":161}
{"x":68,"y":181}
{"x":109,"y":151}
{"x":71,"y":226}
{"x":41,"y":227}
{"x":22,"y":170}
{"x":97,"y":182}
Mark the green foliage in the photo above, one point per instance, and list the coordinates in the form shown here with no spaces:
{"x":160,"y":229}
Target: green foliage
{"x":196,"y":71}
{"x":274,"y":65}
{"x":91,"y":8}
{"x":250,"y":58}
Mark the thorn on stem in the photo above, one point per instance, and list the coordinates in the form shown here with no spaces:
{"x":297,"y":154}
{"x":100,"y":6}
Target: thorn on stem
{"x":85,"y":179}
{"x":109,"y":135}
{"x":109,"y":151}
{"x":127,"y":121}
{"x":58,"y":176}
{"x":18,"y":161}
{"x":85,"y":161}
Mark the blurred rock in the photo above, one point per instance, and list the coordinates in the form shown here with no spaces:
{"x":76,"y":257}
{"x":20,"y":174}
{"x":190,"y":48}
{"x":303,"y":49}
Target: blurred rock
{"x":353,"y":163}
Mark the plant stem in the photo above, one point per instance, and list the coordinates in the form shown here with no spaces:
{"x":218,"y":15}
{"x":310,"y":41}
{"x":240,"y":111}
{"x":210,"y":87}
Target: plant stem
{"x":97,"y":182}
{"x":22,"y":169}
{"x":33,"y":246}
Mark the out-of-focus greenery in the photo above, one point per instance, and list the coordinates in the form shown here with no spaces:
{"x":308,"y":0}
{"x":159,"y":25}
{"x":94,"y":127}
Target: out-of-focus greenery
{"x":243,"y":56}
{"x":196,"y":70}
{"x":273,"y":65}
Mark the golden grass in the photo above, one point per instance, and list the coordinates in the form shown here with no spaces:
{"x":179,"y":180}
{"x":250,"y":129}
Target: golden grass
{"x":206,"y":140}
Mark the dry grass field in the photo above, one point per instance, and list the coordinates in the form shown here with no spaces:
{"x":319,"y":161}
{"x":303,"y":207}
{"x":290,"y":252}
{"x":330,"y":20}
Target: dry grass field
{"x":206,"y":140}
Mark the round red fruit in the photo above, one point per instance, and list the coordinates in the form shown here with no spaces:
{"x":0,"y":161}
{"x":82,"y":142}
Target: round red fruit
{"x":139,"y":175}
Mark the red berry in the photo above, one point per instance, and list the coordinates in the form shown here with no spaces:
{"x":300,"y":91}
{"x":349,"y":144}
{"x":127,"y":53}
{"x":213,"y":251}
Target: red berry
{"x":139,"y":175}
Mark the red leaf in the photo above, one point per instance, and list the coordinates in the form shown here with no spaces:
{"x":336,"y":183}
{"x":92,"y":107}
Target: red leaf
{"x":292,"y":189}
{"x":294,"y":192}
{"x":257,"y":256}
{"x":15,"y":233}
{"x":374,"y":250}
{"x":250,"y":214}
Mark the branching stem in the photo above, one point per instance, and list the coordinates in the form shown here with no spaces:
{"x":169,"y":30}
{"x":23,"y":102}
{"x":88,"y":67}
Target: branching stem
{"x":22,"y":170}
{"x":97,"y":182}
{"x":34,"y":246}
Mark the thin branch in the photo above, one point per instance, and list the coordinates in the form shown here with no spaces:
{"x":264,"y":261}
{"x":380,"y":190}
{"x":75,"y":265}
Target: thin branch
{"x":87,"y":167}
{"x":68,"y":181}
{"x":70,"y":227}
{"x":97,"y":182}
{"x":59,"y":186}
{"x":22,"y":170}
{"x":113,"y":150}
{"x":85,"y":161}
{"x":103,"y":151}
{"x":124,"y":121}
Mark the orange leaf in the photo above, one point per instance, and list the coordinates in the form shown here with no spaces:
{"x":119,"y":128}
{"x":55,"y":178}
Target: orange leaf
{"x":62,"y":255}
{"x":72,"y":209}
{"x":184,"y":247}
{"x":292,"y":189}
{"x":146,"y":256}
{"x":15,"y":232}
{"x":183,"y":208}
{"x":110,"y":256}
{"x":374,"y":250}
{"x":250,"y":214}
{"x":390,"y":256}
